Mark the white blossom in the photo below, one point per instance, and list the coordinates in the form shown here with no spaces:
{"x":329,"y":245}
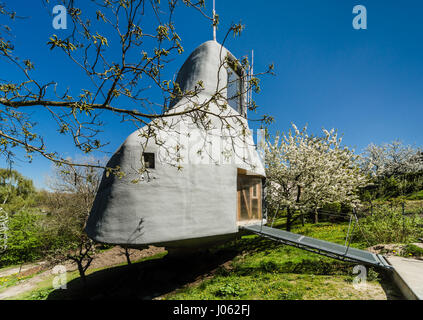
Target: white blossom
{"x":392,"y":159}
{"x":304,"y":172}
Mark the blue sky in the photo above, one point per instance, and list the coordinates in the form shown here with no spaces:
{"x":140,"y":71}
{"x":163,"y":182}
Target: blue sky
{"x":368,"y":84}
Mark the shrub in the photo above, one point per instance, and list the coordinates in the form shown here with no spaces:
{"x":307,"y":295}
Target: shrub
{"x":32,"y":236}
{"x":389,"y":226}
{"x":229,"y":289}
{"x":416,"y":196}
{"x":413,"y":250}
{"x":25,"y":239}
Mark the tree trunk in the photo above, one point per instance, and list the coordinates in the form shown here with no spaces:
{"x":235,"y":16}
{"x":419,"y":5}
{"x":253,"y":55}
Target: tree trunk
{"x":81,"y":272}
{"x":316,"y":216}
{"x":127,"y":255}
{"x":288,"y":219}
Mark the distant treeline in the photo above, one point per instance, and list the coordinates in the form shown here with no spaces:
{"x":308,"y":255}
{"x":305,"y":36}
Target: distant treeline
{"x":45,"y":224}
{"x":395,"y":170}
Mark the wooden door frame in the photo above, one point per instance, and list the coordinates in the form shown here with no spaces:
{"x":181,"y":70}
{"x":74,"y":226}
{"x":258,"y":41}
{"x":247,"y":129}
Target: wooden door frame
{"x":258,"y":197}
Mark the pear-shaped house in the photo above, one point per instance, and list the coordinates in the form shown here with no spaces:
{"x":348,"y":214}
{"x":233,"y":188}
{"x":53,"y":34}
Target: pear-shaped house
{"x":202,"y":177}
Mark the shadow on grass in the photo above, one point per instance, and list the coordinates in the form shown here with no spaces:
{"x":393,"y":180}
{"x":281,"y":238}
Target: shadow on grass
{"x":143,"y":280}
{"x":149,"y":279}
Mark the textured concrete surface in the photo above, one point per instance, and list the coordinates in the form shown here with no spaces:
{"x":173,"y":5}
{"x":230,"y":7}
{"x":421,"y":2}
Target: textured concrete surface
{"x":204,"y":64}
{"x":190,"y":198}
{"x":408,"y":275}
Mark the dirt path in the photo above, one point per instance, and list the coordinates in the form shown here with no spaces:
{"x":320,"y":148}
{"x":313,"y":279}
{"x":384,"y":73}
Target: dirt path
{"x":24,"y":286}
{"x":20,"y":269}
{"x":106,"y":258}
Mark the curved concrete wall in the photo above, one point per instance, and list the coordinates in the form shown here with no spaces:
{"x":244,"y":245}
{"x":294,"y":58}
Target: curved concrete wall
{"x":190,"y":197}
{"x":203,"y":64}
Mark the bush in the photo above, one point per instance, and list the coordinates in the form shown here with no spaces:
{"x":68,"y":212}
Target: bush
{"x":413,"y":250}
{"x":32,"y":236}
{"x":24,"y":239}
{"x":45,"y":225}
{"x":389,"y":226}
{"x":229,"y":289}
{"x":416,"y":196}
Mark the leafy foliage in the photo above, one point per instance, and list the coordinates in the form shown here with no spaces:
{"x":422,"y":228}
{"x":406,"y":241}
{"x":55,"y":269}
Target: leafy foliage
{"x":49,"y":224}
{"x":25,"y":239}
{"x":413,"y":250}
{"x":390,"y":226}
{"x":16,"y":192}
{"x":228,"y":289}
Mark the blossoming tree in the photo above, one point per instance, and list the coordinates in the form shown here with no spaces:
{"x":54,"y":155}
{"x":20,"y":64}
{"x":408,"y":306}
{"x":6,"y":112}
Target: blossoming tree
{"x":305,"y":171}
{"x":395,"y":169}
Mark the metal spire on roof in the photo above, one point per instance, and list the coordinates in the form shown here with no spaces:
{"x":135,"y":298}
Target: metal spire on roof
{"x":214,"y":20}
{"x":251,"y":74}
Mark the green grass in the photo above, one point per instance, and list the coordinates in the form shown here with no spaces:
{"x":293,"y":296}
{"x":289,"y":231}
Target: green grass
{"x":271,"y":286}
{"x":270,"y":271}
{"x":264,"y":269}
{"x":416,"y":195}
{"x":13,"y":279}
{"x":9,"y":281}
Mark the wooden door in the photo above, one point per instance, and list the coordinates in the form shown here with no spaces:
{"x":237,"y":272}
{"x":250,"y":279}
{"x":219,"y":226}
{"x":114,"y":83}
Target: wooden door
{"x":248,"y":198}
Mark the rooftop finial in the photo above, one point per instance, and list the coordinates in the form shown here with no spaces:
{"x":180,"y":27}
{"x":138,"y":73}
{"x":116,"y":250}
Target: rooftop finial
{"x":214,"y":21}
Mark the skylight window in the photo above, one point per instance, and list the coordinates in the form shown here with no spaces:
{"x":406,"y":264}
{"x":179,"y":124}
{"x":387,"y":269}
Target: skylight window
{"x":234,"y":90}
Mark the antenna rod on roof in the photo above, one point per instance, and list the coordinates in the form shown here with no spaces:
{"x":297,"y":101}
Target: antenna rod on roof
{"x":214,"y":21}
{"x":252,"y":62}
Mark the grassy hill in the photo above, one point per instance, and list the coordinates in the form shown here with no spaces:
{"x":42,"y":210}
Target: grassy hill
{"x":249,"y":268}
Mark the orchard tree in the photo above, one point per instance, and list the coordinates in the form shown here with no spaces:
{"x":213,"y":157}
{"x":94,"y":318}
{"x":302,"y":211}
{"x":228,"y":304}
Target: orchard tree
{"x":75,"y":188}
{"x":394,"y":168}
{"x":392,"y":159}
{"x":80,"y":181}
{"x":304,"y":172}
{"x":123,"y":48}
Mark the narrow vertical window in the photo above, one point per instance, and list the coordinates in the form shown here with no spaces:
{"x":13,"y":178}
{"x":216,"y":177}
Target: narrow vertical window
{"x":149,"y":160}
{"x":234,"y":90}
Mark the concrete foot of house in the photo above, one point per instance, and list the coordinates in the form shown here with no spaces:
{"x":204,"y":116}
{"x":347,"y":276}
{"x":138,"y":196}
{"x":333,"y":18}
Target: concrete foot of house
{"x":408,"y":276}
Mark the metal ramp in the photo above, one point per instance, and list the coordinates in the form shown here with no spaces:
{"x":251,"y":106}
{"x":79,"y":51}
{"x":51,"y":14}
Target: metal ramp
{"x":321,"y":247}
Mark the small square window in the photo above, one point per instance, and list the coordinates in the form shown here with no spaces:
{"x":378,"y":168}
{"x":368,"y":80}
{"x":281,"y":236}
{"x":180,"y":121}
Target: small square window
{"x":149,"y":160}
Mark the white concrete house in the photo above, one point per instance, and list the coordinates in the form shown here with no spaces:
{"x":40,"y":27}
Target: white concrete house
{"x":200,"y":185}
